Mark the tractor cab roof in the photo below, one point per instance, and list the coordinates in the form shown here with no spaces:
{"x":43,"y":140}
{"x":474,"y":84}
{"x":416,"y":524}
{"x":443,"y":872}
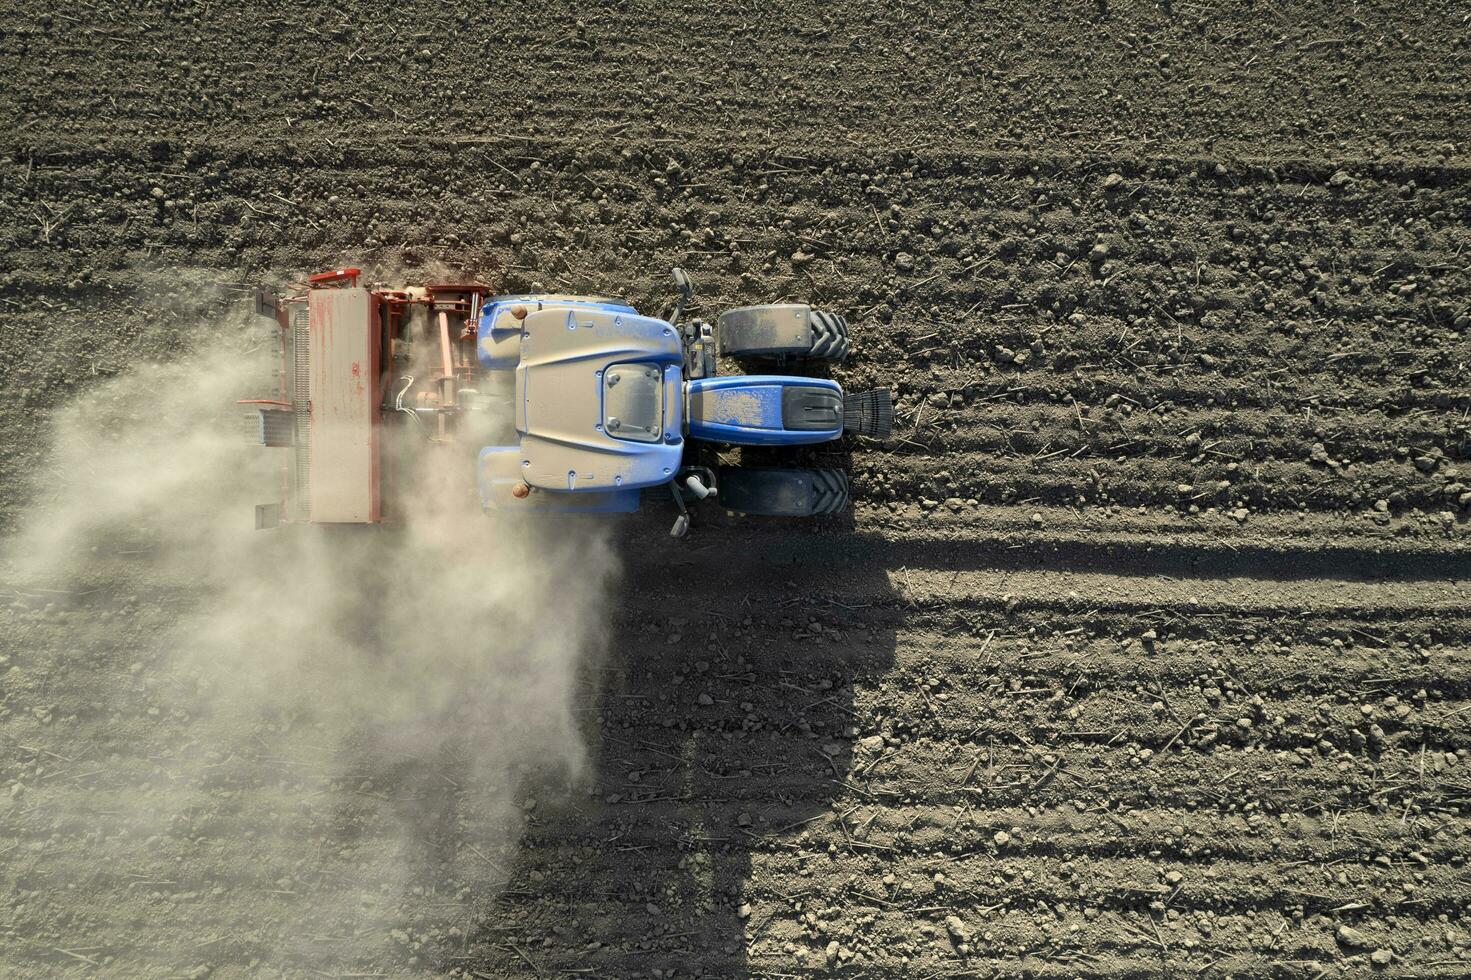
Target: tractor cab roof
{"x":599,"y":399}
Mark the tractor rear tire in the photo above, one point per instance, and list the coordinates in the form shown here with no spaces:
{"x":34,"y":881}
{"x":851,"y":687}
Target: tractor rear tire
{"x":782,"y":492}
{"x":777,"y":332}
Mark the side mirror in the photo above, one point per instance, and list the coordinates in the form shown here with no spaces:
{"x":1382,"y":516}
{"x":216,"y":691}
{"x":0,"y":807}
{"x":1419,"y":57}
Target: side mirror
{"x":683,"y":284}
{"x":686,"y":293}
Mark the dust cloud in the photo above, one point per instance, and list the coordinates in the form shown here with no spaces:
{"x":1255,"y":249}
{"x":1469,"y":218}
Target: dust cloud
{"x":351,"y":724}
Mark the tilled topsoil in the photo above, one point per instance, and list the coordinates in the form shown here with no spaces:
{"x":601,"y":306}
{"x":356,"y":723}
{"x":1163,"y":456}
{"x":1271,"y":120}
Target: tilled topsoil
{"x":1144,"y":650}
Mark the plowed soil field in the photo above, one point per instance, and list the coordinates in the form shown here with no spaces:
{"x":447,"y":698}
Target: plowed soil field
{"x":1145,"y":650}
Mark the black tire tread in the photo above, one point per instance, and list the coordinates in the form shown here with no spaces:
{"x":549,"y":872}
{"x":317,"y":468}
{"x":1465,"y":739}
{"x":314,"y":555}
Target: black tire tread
{"x":830,"y":340}
{"x":829,"y":491}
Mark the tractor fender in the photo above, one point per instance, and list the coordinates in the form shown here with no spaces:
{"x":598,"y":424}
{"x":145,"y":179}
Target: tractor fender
{"x":503,"y":490}
{"x":499,"y":328}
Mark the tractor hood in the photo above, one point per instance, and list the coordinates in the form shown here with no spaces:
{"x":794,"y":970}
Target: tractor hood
{"x":765,"y":410}
{"x":598,"y":400}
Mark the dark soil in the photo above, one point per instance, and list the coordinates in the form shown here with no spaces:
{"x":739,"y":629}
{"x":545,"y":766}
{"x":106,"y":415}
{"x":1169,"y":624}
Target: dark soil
{"x":1147,"y":648}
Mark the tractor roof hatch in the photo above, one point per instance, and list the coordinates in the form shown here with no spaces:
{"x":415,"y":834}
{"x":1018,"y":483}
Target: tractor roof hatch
{"x":633,"y":401}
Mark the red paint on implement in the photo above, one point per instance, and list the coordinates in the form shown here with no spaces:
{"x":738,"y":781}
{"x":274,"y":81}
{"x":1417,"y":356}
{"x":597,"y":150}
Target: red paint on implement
{"x":348,"y":275}
{"x":344,"y":459}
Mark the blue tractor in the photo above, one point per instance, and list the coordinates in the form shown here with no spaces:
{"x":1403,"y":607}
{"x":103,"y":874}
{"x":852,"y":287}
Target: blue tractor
{"x":574,"y":404}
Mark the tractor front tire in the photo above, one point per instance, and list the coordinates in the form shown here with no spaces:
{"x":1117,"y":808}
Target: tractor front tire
{"x":782,"y":492}
{"x":792,"y":330}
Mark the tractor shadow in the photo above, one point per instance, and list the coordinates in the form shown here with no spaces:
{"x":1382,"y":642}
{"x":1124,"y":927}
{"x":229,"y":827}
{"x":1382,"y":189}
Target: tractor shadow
{"x":721,"y":726}
{"x":728,"y":719}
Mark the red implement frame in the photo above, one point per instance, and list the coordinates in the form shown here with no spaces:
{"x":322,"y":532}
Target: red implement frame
{"x":343,"y":375}
{"x":342,"y":371}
